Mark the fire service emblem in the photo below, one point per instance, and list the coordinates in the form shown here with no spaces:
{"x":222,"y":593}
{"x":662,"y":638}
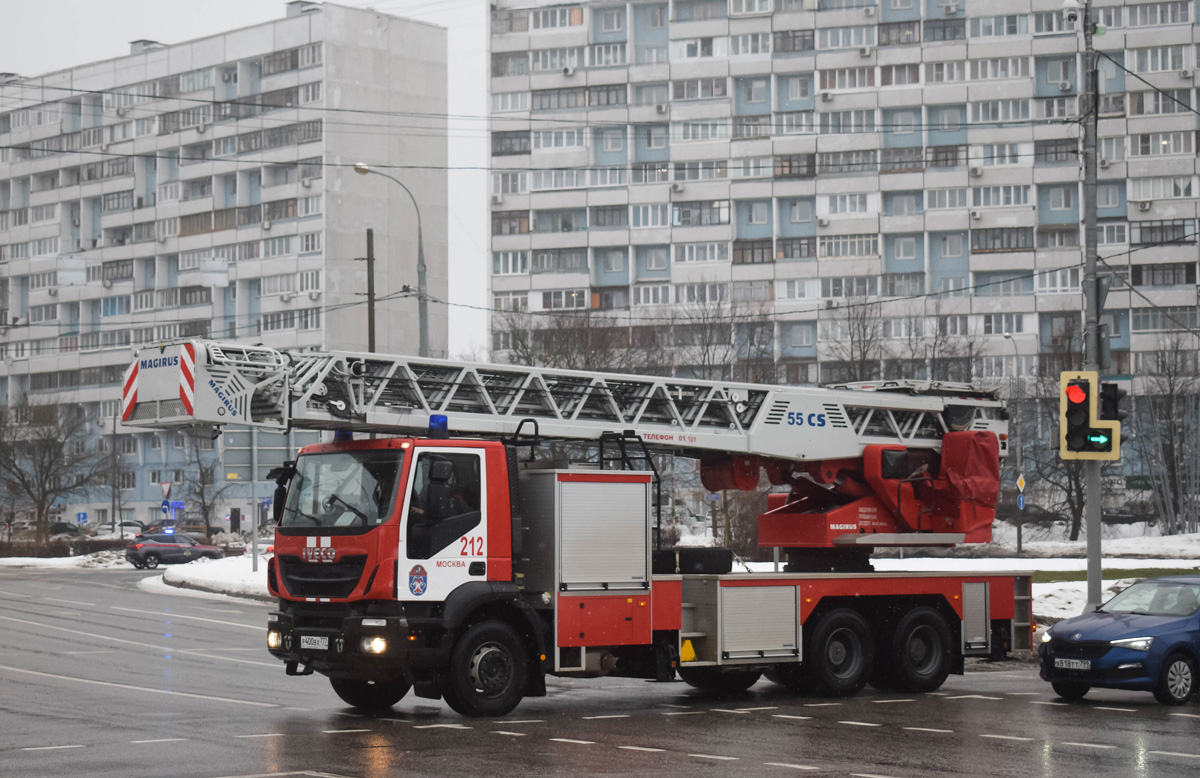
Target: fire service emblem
{"x":418,"y":580}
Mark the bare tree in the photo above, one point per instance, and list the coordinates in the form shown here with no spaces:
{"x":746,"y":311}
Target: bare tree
{"x":44,"y":457}
{"x":591,"y":340}
{"x":853,"y":339}
{"x":200,"y":484}
{"x":1166,"y":416}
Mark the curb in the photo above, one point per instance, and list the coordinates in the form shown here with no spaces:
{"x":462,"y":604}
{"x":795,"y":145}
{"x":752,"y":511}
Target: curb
{"x":198,"y":588}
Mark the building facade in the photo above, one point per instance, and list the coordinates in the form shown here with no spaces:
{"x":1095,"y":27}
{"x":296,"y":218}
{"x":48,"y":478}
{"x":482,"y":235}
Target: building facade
{"x":207,"y":189}
{"x":903,"y":172}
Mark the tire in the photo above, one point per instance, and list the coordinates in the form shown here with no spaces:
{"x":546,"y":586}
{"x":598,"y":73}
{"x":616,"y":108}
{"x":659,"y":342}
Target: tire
{"x":138,"y":565}
{"x":1069,"y":690}
{"x":369,"y":696}
{"x":1177,"y":682}
{"x":712,"y":679}
{"x":841,"y":654}
{"x":793,"y":677}
{"x":151,"y":561}
{"x":488,"y":670}
{"x":919,"y":652}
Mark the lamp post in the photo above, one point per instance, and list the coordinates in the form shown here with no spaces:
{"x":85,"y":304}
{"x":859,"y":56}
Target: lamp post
{"x":422,"y":302}
{"x":1015,"y":437}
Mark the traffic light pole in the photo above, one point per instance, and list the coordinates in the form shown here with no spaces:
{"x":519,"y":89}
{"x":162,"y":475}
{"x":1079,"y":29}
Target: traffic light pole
{"x":1091,"y":311}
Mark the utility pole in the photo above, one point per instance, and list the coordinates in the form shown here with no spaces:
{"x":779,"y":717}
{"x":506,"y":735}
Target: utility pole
{"x":1091,"y":302}
{"x":113,"y":476}
{"x":371,"y":290}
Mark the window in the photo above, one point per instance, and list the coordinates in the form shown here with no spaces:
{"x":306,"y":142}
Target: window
{"x":558,"y":99}
{"x":445,"y":497}
{"x":752,"y":252}
{"x":994,"y":196}
{"x":1162,"y":232}
{"x":900,"y":75}
{"x":1000,"y":111}
{"x":999,"y":154}
{"x":1166,"y":274}
{"x":944,"y":72}
{"x":845,"y":162}
{"x":750,"y":167}
{"x":850,"y":287}
{"x":609,"y":217}
{"x":1000,"y":323}
{"x":848,"y":203}
{"x":800,"y":211}
{"x":656,"y":136}
{"x":310,"y":93}
{"x":750,"y":43}
{"x":793,"y":41}
{"x":1002,"y":239}
{"x":551,"y":18}
{"x":559,"y":261}
{"x":1158,"y":59}
{"x":564,"y":299}
{"x":845,"y":37}
{"x":510,"y":222}
{"x":1172,"y":317}
{"x":699,"y":89}
{"x":795,"y":123}
{"x":841,"y":122}
{"x":612,"y":94}
{"x":1050,"y":22}
{"x":701,"y":252}
{"x":511,"y":142}
{"x":1160,"y":188}
{"x":42,"y":313}
{"x":1152,"y":14}
{"x":648,"y":215}
{"x":951,"y":245}
{"x":998,"y":26}
{"x":611,"y":19}
{"x":511,"y":302}
{"x":310,"y":242}
{"x":657,"y":294}
{"x":310,"y":281}
{"x":701,"y":170}
{"x":309,"y":206}
{"x":738,"y":7}
{"x":503,"y":102}
{"x":899,"y":33}
{"x":1062,"y":198}
{"x":795,"y":166}
{"x":1155,"y":144}
{"x":510,"y":262}
{"x":1112,"y":234}
{"x":903,"y":284}
{"x":514,"y":63}
{"x":612,"y":140}
{"x":906,"y":248}
{"x":847,"y":78}
{"x":1000,"y":68}
{"x":903,"y":203}
{"x":840,"y":246}
{"x":559,"y":138}
{"x":798,"y":290}
{"x":1065,"y":280}
{"x":692,"y":214}
{"x":277,"y":247}
{"x":509,"y":183}
{"x":277,"y":284}
{"x":758,"y":213}
{"x":1168,"y":101}
{"x":1058,"y":237}
{"x":701,"y":293}
{"x":611,"y":260}
{"x":699,"y":130}
{"x":1061,"y":151}
{"x":656,"y":258}
{"x":954,"y":325}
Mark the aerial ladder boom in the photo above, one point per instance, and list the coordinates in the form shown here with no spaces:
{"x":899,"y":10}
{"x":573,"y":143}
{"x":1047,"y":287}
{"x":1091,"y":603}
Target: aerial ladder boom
{"x":836,"y":446}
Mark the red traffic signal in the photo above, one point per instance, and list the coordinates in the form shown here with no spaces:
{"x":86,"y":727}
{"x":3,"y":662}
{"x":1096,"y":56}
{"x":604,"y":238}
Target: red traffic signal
{"x":1076,"y":394}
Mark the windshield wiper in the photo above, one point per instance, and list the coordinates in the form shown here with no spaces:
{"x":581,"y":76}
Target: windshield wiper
{"x":353,"y":509}
{"x":309,"y":516}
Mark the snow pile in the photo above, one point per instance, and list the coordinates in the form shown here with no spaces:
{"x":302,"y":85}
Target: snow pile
{"x":231,"y":575}
{"x":51,"y":563}
{"x":1053,"y":602}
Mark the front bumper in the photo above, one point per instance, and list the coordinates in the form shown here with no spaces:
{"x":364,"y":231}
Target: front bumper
{"x":1118,"y":668}
{"x":414,"y":645}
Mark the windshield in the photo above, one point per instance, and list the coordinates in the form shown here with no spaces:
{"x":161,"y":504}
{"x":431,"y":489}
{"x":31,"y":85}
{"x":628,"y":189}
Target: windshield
{"x":346,"y":489}
{"x":1156,"y":598}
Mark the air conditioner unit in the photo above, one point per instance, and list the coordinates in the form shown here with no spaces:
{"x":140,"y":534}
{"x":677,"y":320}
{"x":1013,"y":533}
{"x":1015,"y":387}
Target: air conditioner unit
{"x":975,"y":214}
{"x":162,"y":238}
{"x":831,"y":304}
{"x":661,"y":107}
{"x":827,"y":97}
{"x":568,"y":71}
{"x":869,"y":10}
{"x":74,"y":222}
{"x":864,"y":51}
{"x":266,"y":225}
{"x":1185,"y":74}
{"x":106,"y":283}
{"x":52,"y":291}
{"x":822,"y":222}
{"x":976,"y":172}
{"x":676,"y":187}
{"x":226,"y":76}
{"x":950,"y":8}
{"x":1103,"y":163}
{"x":306,"y":182}
{"x":121,"y":112}
{"x":104,"y":147}
{"x":286,"y":297}
{"x":315,"y":294}
{"x":1144,"y":205}
{"x":497,"y":199}
{"x":1064,"y":86}
{"x":200,"y":128}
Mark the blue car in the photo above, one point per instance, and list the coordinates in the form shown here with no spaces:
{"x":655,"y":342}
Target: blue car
{"x":1147,"y":638}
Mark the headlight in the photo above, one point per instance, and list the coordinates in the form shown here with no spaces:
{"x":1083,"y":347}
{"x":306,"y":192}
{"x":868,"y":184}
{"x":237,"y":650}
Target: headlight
{"x":375,"y":645}
{"x":1134,"y":644}
{"x":1046,"y":636}
{"x":273,"y":639}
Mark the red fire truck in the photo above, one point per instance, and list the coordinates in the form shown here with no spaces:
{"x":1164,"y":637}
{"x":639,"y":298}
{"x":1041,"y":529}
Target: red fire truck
{"x":434,"y":546}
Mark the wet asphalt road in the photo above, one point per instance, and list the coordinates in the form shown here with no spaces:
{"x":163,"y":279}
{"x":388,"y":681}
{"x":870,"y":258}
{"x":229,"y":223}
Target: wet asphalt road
{"x":100,"y":679}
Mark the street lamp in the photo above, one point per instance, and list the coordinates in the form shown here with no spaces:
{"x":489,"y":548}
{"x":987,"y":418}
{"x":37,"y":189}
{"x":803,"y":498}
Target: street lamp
{"x":422,"y":302}
{"x":1015,"y":435}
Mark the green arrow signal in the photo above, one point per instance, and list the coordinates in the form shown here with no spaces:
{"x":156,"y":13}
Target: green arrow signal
{"x":1101,"y":439}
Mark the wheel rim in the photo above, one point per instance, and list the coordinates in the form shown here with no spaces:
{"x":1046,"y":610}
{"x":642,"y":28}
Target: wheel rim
{"x":1179,"y":679}
{"x":491,"y":669}
{"x":843,"y":653}
{"x":151,"y":562}
{"x":924,"y":650}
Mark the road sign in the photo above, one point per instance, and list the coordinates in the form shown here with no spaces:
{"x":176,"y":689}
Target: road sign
{"x":81,"y":517}
{"x":166,"y":489}
{"x":1020,"y":502}
{"x":1021,"y":482}
{"x":166,"y":507}
{"x":712,"y":498}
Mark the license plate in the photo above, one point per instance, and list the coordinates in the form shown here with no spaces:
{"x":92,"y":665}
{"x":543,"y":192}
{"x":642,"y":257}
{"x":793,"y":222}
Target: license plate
{"x":1073,"y":664}
{"x":314,"y":643}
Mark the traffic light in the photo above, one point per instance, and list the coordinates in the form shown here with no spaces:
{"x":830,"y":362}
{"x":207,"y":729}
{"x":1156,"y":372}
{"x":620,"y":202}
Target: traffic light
{"x":1083,"y":432}
{"x":1111,"y":396}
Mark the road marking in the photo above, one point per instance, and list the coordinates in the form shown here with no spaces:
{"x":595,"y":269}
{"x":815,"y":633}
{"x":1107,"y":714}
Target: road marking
{"x":51,"y":748}
{"x":869,"y":775}
{"x":72,"y":602}
{"x":669,"y":705}
{"x":1007,"y":737}
{"x":255,"y":627}
{"x":764,"y":707}
{"x":791,"y":766}
{"x":860,"y":723}
{"x":510,"y":734}
{"x":610,"y":716}
{"x":440,"y":726}
{"x":344,"y":731}
{"x":714,"y":756}
{"x":1118,"y":710}
{"x":1187,"y":715}
{"x":14,"y":594}
{"x":265,"y":734}
{"x":1022,"y":694}
{"x":73,"y":653}
{"x":642,"y":748}
{"x":973,"y":697}
{"x":1045,"y":702}
{"x":527,"y":721}
{"x":821,"y":704}
{"x":576,"y":742}
{"x":139,"y":688}
{"x":683,"y":712}
{"x":725,"y":710}
{"x":159,"y":740}
{"x":1175,"y":753}
{"x":929,"y":729}
{"x":885,"y":702}
{"x":1087,"y":745}
{"x":787,"y":716}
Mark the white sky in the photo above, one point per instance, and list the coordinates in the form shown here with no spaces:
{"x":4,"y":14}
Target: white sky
{"x":47,"y":35}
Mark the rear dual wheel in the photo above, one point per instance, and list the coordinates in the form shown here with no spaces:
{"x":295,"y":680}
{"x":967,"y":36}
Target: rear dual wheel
{"x":371,"y":696}
{"x":841,"y":654}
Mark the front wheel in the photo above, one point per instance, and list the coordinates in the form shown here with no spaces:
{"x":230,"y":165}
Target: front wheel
{"x":841,"y":654}
{"x":488,"y":670}
{"x":369,"y":695}
{"x":712,"y":679}
{"x":1070,"y":691}
{"x":1177,"y":683}
{"x":151,"y":561}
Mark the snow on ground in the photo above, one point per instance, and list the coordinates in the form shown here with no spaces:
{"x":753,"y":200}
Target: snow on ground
{"x":1053,"y":602}
{"x":232,"y":575}
{"x":101,"y":559}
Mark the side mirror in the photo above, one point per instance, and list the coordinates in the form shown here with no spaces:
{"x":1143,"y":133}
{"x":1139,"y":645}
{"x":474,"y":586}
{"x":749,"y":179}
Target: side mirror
{"x":277,"y":502}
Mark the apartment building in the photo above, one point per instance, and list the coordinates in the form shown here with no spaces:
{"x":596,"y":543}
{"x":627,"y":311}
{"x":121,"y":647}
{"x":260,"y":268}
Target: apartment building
{"x":207,"y":189}
{"x":812,"y":159}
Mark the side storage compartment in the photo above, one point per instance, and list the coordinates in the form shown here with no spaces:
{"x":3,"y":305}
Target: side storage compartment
{"x":759,"y":622}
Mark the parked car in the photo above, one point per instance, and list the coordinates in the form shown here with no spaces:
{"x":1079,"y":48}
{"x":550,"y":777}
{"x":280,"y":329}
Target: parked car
{"x":162,"y":548}
{"x":64,"y":528}
{"x":1146,"y":638}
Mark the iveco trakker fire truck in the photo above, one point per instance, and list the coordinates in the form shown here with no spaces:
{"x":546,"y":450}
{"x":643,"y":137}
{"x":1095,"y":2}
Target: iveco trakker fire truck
{"x":431,"y":546}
